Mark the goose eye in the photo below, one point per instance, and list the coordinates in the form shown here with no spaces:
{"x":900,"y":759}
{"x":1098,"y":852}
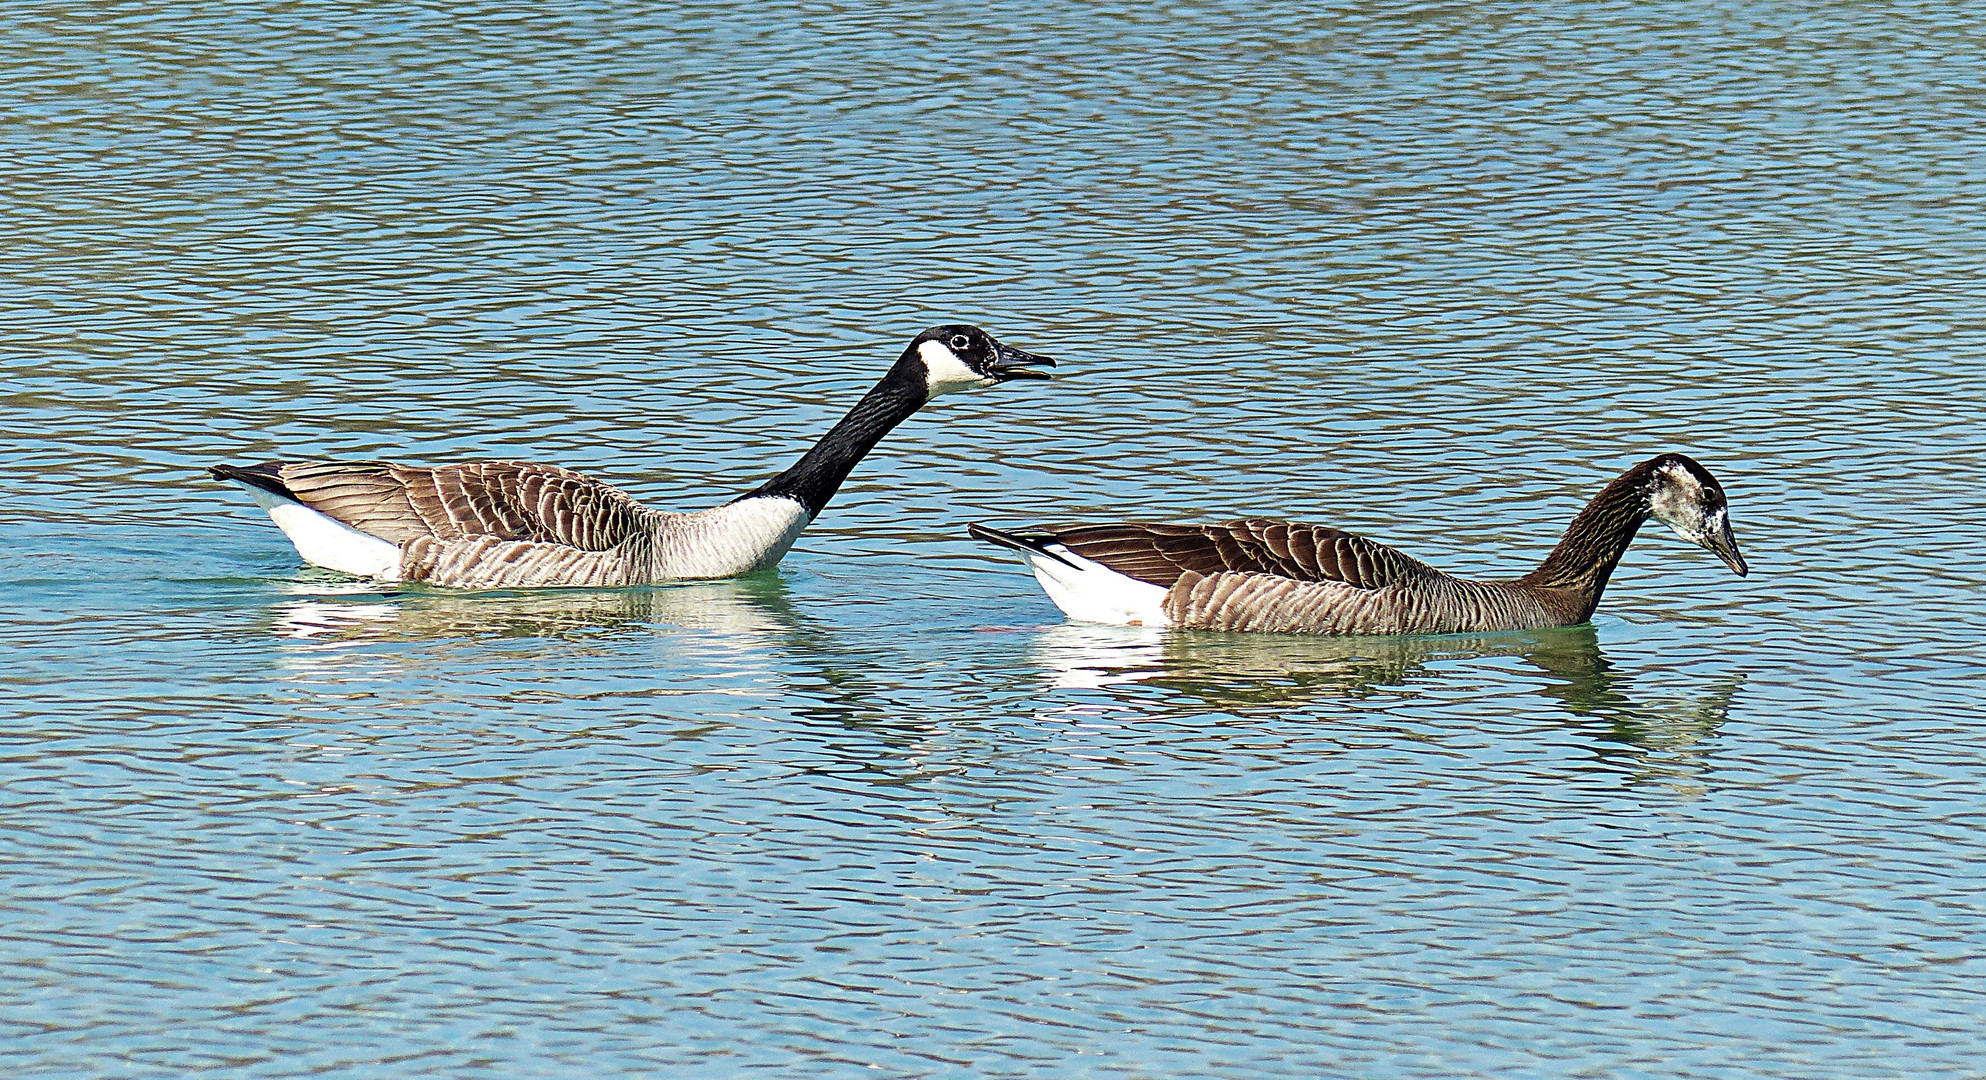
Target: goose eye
{"x":959,"y":342}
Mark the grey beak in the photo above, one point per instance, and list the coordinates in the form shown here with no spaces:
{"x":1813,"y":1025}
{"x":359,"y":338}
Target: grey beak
{"x":1011,"y":363}
{"x":1725,"y":546}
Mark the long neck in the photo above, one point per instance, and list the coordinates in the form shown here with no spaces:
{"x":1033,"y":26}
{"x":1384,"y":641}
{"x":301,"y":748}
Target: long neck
{"x":815,"y":478}
{"x":1575,"y":574}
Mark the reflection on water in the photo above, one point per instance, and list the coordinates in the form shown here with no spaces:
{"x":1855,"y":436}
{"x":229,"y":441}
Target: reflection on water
{"x":358,"y":613}
{"x":1282,"y":669}
{"x":1272,"y":674}
{"x":1426,"y":272}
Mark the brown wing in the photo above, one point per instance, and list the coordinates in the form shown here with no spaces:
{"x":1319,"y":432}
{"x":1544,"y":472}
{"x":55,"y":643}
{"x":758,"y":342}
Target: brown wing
{"x":1159,"y":554}
{"x":505,"y":500}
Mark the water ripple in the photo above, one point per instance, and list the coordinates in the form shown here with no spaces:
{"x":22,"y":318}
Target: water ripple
{"x":1432,"y":275}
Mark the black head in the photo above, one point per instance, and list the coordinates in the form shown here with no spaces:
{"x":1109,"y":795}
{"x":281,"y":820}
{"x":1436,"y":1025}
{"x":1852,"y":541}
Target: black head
{"x":956,"y":356}
{"x":1684,"y":496}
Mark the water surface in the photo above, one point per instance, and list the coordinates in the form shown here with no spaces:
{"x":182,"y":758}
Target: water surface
{"x":1431,"y":276}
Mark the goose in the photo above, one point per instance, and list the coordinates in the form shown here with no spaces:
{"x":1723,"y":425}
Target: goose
{"x":513,"y":524}
{"x":1285,"y":577}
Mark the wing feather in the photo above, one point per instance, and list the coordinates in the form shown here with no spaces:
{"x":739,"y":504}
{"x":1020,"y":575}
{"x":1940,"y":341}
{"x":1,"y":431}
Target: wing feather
{"x":1161,"y":553}
{"x":500,"y":500}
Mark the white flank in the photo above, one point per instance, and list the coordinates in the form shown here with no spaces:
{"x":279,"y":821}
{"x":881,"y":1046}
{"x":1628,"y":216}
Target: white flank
{"x":943,"y":370}
{"x":725,"y":541}
{"x":1092,"y":592}
{"x":327,"y":542}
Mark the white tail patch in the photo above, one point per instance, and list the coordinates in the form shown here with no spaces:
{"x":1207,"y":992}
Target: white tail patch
{"x":1091,"y":592}
{"x":327,"y":542}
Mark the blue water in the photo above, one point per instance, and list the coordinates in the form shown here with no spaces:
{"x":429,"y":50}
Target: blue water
{"x":1432,"y":276}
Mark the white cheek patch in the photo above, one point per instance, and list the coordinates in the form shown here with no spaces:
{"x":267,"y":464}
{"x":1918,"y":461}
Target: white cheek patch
{"x":1678,"y":503}
{"x":1674,"y":497}
{"x":944,"y":371}
{"x":1703,"y":532}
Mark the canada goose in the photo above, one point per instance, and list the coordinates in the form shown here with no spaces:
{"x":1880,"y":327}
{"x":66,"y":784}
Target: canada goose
{"x":1277,"y":576}
{"x":510,"y":524}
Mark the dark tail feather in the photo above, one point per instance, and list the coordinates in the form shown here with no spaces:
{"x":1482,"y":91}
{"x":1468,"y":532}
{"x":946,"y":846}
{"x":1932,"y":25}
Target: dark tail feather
{"x":267,"y":476}
{"x":1032,"y":545}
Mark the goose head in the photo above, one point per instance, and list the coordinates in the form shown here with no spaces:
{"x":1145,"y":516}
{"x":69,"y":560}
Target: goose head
{"x":957,"y":357}
{"x":1684,"y":496}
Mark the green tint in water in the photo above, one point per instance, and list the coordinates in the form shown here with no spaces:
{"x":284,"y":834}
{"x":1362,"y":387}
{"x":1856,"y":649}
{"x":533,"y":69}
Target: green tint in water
{"x":1433,"y":277}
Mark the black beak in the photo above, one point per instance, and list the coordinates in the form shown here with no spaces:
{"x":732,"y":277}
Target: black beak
{"x":1011,"y":363}
{"x":1725,"y":546}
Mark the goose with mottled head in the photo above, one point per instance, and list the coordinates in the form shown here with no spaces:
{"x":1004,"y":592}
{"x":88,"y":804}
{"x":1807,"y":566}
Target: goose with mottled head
{"x":1286,"y":577}
{"x":511,"y":524}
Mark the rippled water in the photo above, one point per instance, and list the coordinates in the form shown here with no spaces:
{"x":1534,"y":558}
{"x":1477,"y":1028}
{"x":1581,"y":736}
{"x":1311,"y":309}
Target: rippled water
{"x":1434,"y":276}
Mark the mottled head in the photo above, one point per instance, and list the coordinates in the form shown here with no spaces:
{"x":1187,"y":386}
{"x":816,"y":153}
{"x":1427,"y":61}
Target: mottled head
{"x":956,"y":357}
{"x":1684,"y":496}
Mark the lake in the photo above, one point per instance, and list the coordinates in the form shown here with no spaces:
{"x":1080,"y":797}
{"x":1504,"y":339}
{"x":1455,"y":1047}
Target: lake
{"x":1432,"y":275}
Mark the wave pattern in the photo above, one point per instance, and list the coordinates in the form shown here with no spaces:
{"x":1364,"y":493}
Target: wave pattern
{"x":1430,"y":276}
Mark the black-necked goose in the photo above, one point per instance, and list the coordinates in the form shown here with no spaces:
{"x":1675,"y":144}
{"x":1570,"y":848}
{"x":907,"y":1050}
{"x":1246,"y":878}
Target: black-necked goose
{"x":510,"y":524}
{"x":1277,"y":576}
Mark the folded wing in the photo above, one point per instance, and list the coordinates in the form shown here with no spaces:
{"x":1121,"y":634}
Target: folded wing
{"x":1161,"y":554}
{"x":500,"y":500}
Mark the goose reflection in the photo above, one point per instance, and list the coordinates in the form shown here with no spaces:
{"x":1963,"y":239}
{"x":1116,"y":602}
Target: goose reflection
{"x":737,"y":642}
{"x":1257,"y":674}
{"x":1637,"y":713}
{"x":354,"y":613}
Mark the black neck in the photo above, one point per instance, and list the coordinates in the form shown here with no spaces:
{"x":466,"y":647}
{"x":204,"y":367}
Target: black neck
{"x":815,"y":478}
{"x":1578,"y":568}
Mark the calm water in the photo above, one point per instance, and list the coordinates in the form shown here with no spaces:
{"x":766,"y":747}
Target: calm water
{"x":1434,"y":277}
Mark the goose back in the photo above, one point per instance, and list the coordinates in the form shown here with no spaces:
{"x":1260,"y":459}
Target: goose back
{"x":501,"y":500}
{"x":1161,"y":554}
{"x":1280,"y":576}
{"x":509,"y":524}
